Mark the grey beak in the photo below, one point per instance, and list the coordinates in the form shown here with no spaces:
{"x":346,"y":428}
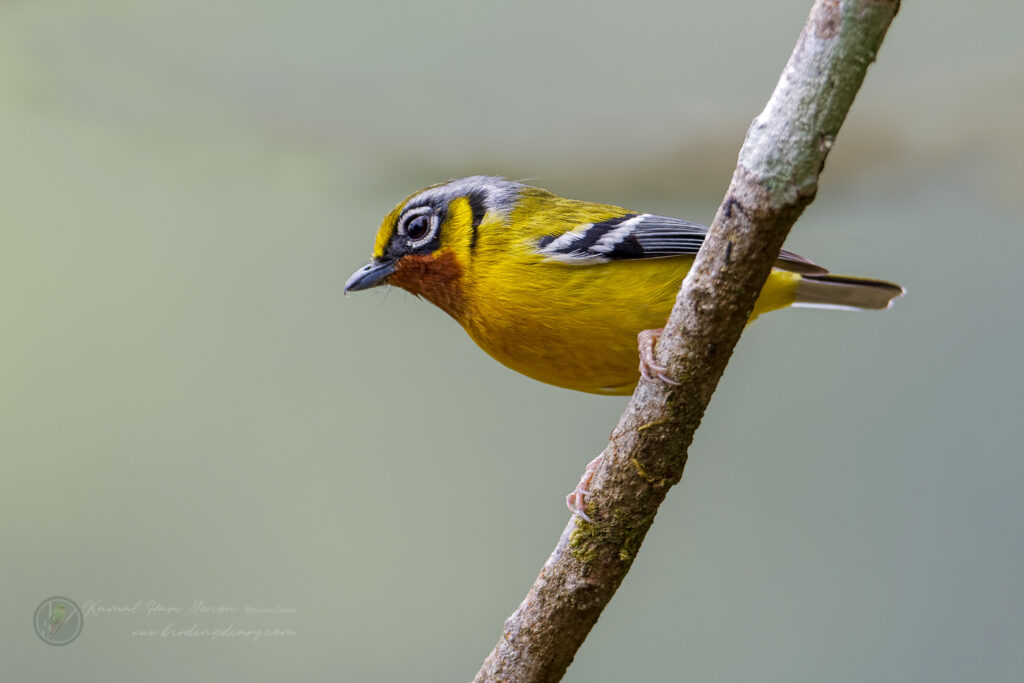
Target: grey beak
{"x":373,"y":274}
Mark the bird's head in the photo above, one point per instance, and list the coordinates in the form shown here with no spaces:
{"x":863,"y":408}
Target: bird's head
{"x":427,"y":242}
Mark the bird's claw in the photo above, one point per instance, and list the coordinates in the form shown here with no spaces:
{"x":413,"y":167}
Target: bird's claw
{"x":576,"y":501}
{"x":649,"y":367}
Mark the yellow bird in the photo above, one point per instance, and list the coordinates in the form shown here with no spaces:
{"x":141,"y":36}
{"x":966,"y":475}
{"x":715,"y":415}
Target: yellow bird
{"x":563,"y":290}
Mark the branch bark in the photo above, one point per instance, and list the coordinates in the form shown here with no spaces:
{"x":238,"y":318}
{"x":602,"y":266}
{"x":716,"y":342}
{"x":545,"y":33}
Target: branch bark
{"x":775,"y":179}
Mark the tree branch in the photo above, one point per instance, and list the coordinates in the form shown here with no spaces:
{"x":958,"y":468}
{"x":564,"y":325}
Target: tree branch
{"x":775,"y":179}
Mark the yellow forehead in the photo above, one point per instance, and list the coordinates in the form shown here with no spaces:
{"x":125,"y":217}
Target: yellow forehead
{"x":387,"y":229}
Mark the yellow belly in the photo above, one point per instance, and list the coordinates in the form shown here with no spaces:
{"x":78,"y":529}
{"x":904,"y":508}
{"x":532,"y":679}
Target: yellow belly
{"x":576,"y":326}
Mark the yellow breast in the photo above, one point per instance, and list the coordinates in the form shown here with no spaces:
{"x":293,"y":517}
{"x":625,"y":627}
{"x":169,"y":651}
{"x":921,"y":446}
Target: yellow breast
{"x":576,"y":326}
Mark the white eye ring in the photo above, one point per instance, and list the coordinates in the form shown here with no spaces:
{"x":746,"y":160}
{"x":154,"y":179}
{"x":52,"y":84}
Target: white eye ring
{"x":409,"y":217}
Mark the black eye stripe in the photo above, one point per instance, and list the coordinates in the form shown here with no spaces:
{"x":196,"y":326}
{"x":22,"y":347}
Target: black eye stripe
{"x":478,"y":207}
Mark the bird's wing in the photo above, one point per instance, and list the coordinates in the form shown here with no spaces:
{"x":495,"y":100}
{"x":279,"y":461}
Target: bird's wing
{"x":641,"y":235}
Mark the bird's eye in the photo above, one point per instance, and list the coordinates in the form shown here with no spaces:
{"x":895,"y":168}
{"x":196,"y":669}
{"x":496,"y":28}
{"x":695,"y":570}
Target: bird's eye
{"x":418,"y":227}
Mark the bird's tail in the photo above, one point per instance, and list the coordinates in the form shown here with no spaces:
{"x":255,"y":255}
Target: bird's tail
{"x":850,"y":293}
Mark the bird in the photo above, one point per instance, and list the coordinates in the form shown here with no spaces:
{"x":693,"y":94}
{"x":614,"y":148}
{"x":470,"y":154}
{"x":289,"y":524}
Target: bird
{"x":571,"y":293}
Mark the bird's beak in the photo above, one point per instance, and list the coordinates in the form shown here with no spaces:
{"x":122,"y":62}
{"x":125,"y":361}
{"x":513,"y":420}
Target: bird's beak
{"x":373,"y":274}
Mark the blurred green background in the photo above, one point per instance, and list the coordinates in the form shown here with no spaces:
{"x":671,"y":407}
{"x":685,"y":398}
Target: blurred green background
{"x":191,"y":411}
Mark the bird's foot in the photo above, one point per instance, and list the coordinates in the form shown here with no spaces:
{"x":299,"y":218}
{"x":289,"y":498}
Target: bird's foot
{"x":649,"y":368}
{"x":576,"y":501}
